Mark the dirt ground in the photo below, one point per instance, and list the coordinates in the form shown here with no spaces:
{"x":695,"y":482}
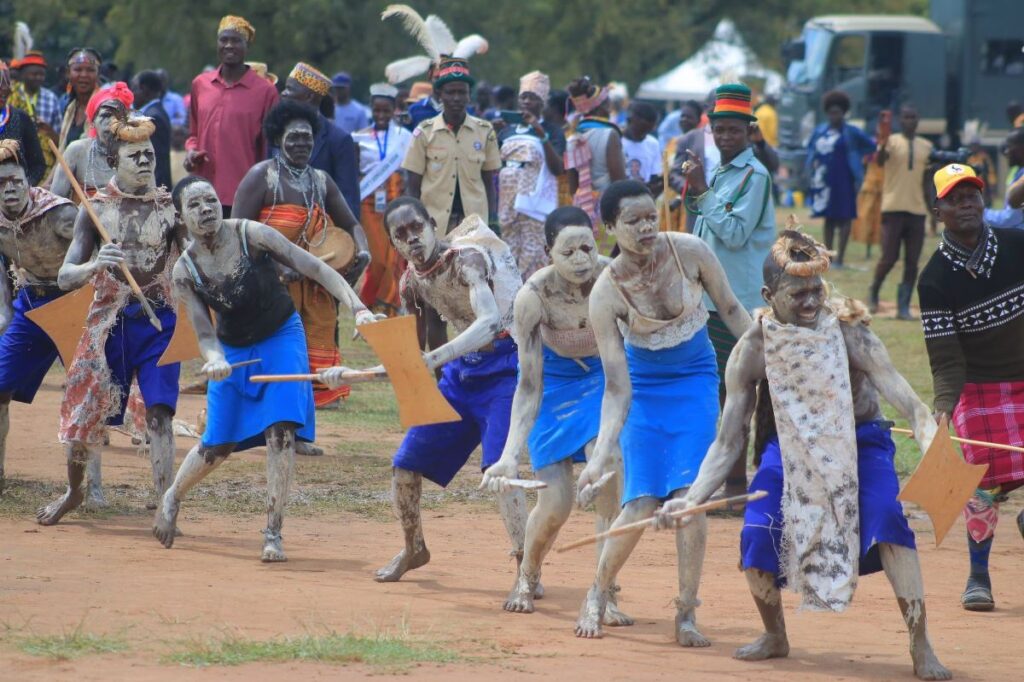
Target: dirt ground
{"x":108,"y":575}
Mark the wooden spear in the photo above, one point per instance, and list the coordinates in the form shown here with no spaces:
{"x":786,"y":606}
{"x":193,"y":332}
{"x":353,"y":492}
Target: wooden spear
{"x":351,"y":377}
{"x":968,"y":441}
{"x":649,"y":522}
{"x":105,"y":236}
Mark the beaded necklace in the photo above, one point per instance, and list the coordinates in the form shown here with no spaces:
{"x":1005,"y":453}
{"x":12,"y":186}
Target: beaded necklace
{"x":311,"y":199}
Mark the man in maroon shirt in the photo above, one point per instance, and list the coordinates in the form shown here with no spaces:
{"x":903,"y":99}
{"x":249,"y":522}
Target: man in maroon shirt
{"x":226,"y":114}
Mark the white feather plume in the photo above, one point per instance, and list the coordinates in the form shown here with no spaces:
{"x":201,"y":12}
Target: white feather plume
{"x":404,"y":69}
{"x":441,"y":35}
{"x":471,"y":45}
{"x":415,"y":25}
{"x":22,"y":40}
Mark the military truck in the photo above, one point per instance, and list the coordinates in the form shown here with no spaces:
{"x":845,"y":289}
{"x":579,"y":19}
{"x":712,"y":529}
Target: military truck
{"x":965,"y":62}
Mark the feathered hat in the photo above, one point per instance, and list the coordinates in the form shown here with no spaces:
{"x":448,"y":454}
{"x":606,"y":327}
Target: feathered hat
{"x":434,"y":37}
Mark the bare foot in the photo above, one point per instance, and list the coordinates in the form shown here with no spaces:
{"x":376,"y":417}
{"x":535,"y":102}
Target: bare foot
{"x":95,"y":499}
{"x":687,"y":633}
{"x":927,"y":666}
{"x":164,"y":528}
{"x":588,"y":625}
{"x":273,"y":551}
{"x":538,"y":591}
{"x":520,"y":599}
{"x":308,"y":449}
{"x":764,"y":647}
{"x":401,"y":565}
{"x":615,"y":618}
{"x":55,"y":511}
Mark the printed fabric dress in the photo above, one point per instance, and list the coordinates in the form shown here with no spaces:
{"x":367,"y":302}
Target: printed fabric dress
{"x":527,"y":193}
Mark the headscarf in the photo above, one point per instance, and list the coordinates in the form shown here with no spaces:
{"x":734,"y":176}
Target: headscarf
{"x":585,"y":104}
{"x":312,"y":78}
{"x":239,"y":24}
{"x":536,"y":82}
{"x":118,"y":91}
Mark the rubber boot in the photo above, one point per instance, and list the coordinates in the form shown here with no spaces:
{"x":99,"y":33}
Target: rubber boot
{"x":903,"y":295}
{"x":978,"y":594}
{"x":873,"y":297}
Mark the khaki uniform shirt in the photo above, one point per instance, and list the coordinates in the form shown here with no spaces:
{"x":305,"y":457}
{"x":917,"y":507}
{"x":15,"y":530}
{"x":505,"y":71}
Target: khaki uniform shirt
{"x":445,"y":159}
{"x":903,"y":189}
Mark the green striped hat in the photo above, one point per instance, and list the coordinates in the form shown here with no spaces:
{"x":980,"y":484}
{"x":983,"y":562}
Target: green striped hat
{"x":733,"y":100}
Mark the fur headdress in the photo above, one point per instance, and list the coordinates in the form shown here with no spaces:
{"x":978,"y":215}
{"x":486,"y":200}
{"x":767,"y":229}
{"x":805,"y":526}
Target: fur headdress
{"x":132,"y":128}
{"x":9,"y":150}
{"x":434,"y":37}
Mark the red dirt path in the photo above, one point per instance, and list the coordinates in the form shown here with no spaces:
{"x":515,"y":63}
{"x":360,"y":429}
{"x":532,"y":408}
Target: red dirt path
{"x":112,"y":576}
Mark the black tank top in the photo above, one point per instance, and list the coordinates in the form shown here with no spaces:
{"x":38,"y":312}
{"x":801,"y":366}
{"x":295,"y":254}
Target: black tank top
{"x":253,"y":303}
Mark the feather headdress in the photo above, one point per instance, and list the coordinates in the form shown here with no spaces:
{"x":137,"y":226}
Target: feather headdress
{"x":436,"y":39}
{"x":22,"y":40}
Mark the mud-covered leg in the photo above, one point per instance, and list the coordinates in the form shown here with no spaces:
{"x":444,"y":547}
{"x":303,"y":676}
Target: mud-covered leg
{"x":613,"y":556}
{"x":554,"y":504}
{"x":77,"y":455}
{"x":768,"y":598}
{"x":904,"y":572}
{"x":512,"y":507}
{"x":198,"y":464}
{"x":94,"y":496}
{"x":406,"y":487}
{"x":607,"y":505}
{"x":690,"y":543}
{"x":159,"y":425}
{"x":280,"y":464}
{"x":5,"y":427}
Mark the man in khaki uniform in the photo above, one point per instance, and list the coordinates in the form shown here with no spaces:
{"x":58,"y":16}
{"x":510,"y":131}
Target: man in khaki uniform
{"x":904,"y":157}
{"x":453,"y":156}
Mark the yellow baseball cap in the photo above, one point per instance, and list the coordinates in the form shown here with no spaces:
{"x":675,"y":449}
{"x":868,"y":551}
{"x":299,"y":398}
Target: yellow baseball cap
{"x":948,"y":177}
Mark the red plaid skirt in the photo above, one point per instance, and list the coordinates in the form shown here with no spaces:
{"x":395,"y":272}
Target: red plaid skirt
{"x":993,"y":412}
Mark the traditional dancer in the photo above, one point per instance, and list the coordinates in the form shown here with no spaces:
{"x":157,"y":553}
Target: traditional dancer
{"x":35,"y":230}
{"x":661,"y":387}
{"x":301,"y":203}
{"x":229,"y":266}
{"x":971,"y":309}
{"x":472,"y":280}
{"x":87,"y":156}
{"x":382,"y":148}
{"x":119,"y":343}
{"x":557,"y":406}
{"x":831,"y":510}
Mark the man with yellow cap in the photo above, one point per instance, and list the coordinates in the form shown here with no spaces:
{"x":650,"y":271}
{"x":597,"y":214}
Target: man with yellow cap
{"x":972,"y":310}
{"x":226,"y":114}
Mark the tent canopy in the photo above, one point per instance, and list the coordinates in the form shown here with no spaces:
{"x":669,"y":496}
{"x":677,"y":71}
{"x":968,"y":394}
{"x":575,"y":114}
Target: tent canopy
{"x":726,"y":57}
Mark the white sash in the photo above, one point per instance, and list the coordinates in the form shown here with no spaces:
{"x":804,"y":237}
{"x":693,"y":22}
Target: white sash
{"x":809,"y":376}
{"x":378,"y":174}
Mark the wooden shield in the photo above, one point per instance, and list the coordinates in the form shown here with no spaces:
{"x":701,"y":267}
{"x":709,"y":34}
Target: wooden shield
{"x":63,"y":320}
{"x":419,"y":399}
{"x":942,"y":483}
{"x":183,"y":345}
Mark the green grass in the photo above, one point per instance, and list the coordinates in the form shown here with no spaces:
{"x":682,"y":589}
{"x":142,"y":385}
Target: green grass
{"x":70,"y":645}
{"x":382,"y":651}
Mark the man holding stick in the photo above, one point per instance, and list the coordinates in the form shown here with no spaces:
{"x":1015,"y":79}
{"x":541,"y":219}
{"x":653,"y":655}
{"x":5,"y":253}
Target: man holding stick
{"x":230,"y":266}
{"x":472,"y":281}
{"x":972,"y":310}
{"x":136,"y":223}
{"x":825,"y":457}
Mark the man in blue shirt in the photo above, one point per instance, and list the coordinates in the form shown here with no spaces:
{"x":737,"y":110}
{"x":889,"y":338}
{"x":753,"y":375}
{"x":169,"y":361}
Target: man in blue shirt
{"x":1013,"y":149}
{"x":736,"y":218}
{"x":349,"y":115}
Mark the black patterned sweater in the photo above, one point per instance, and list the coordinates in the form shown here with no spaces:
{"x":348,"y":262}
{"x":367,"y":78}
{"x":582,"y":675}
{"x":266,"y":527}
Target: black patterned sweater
{"x":972,"y":310}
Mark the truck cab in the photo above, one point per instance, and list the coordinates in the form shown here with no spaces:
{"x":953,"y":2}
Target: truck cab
{"x":879,"y":61}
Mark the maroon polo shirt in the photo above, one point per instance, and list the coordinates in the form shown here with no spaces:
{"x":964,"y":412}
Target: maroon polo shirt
{"x":226,"y":121}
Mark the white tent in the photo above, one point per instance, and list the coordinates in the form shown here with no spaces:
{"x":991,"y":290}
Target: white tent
{"x":726,"y":57}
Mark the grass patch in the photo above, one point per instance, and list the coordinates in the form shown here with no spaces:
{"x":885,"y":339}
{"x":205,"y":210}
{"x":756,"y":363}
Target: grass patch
{"x":379,"y":651}
{"x":70,"y":645}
